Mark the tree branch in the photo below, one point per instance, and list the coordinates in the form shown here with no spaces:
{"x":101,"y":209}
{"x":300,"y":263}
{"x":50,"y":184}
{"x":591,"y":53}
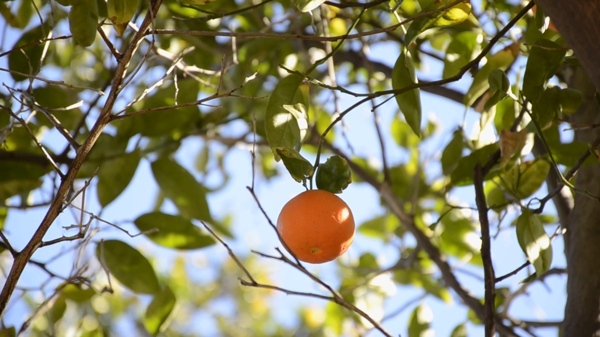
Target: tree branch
{"x":486,"y":254}
{"x":55,"y":208}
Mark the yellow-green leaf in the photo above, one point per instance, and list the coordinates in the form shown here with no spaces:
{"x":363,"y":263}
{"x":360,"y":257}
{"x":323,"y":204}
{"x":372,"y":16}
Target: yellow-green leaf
{"x":281,"y":126}
{"x":534,"y":241}
{"x":159,"y":310}
{"x":299,"y":167}
{"x":172,"y":231}
{"x":409,"y":102}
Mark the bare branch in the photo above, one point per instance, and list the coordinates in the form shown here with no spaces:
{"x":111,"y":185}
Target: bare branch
{"x":486,"y":254}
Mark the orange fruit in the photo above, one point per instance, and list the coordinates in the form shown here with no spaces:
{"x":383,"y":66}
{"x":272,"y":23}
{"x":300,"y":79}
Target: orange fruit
{"x":316,"y":226}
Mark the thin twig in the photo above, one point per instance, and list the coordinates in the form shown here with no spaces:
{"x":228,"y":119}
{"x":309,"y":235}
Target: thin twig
{"x":486,"y":254}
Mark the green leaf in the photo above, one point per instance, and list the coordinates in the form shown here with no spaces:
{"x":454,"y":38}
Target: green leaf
{"x":114,"y":175}
{"x":409,"y":102}
{"x":463,"y":173}
{"x":543,"y":62}
{"x":281,"y":126}
{"x":168,"y":121}
{"x":523,"y":180}
{"x":8,"y":331}
{"x":120,"y":13}
{"x":3,"y":214}
{"x":403,"y":134}
{"x":128,"y":266}
{"x":57,"y":98}
{"x":83,"y":21}
{"x":439,"y":18}
{"x":334,"y":175}
{"x":57,"y":310}
{"x":458,"y":238}
{"x":184,"y":190}
{"x":460,"y":51}
{"x":19,"y":177}
{"x":299,"y":167}
{"x":505,"y":114}
{"x":547,"y":107}
{"x":534,"y":241}
{"x":419,"y":324}
{"x":381,"y":227}
{"x":501,"y":60}
{"x":172,"y":231}
{"x":27,"y":60}
{"x":77,"y":293}
{"x":159,"y":310}
{"x":452,"y":151}
{"x":494,"y":196}
{"x":499,"y":87}
{"x":570,"y":100}
{"x":307,"y":5}
{"x":459,"y":331}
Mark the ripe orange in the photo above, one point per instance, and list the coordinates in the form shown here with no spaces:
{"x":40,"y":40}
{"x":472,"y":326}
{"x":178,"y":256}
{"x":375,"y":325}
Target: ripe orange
{"x":316,"y":226}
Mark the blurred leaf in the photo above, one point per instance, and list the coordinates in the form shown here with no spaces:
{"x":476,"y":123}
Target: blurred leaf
{"x":8,"y":331}
{"x":159,"y":310}
{"x":452,"y":152}
{"x":459,"y":331}
{"x":27,"y":60}
{"x":114,"y":176}
{"x":545,"y":109}
{"x":409,"y":102}
{"x":494,"y":196}
{"x":534,"y":241}
{"x":128,"y":266}
{"x":463,"y":173}
{"x":419,"y":324}
{"x":55,"y":99}
{"x":334,"y":175}
{"x":570,"y":100}
{"x":381,"y":227}
{"x":439,"y":18}
{"x":501,"y":60}
{"x":460,"y":51}
{"x":543,"y":62}
{"x":77,"y":293}
{"x":523,"y":180}
{"x":19,"y":177}
{"x":505,"y":114}
{"x":172,"y":231}
{"x":281,"y":126}
{"x":107,"y":147}
{"x":120,"y":12}
{"x":299,"y":167}
{"x":83,"y":21}
{"x":307,"y":5}
{"x":460,"y":238}
{"x":3,"y":214}
{"x":499,"y":87}
{"x":182,"y":188}
{"x":171,"y":120}
{"x":403,"y":134}
{"x":57,"y":310}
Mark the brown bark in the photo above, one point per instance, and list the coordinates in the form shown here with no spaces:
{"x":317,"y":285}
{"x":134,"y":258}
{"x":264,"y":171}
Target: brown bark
{"x":583,"y":233}
{"x":579,"y":23}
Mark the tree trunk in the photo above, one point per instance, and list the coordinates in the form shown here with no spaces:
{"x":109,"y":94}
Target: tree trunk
{"x":583,"y":233}
{"x":579,"y":23}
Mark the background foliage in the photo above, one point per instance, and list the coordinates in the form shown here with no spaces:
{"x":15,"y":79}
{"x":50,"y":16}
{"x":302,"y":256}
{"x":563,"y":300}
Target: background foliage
{"x":89,"y":101}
